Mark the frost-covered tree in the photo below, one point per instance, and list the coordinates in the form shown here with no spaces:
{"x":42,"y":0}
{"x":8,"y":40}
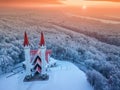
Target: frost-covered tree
{"x":97,"y":80}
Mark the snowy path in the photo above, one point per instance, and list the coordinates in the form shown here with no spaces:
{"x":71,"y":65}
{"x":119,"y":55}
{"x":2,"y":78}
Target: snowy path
{"x":65,"y":76}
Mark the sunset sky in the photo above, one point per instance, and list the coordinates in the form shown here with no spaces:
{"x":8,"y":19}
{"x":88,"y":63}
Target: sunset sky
{"x":61,"y":2}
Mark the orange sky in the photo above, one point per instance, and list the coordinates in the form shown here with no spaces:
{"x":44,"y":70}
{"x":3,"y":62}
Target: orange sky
{"x":115,"y":3}
{"x":92,"y":2}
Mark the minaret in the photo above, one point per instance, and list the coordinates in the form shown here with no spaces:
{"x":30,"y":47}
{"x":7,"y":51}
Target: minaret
{"x":27,"y":54}
{"x":43,"y":53}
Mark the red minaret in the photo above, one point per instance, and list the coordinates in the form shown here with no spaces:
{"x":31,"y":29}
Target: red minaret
{"x":26,"y":42}
{"x":42,"y":40}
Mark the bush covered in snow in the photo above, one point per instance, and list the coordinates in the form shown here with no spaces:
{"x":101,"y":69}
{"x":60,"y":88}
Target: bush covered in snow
{"x":97,"y":80}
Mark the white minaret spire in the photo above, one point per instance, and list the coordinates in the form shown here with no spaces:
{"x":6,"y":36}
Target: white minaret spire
{"x":43,"y":53}
{"x":27,"y":54}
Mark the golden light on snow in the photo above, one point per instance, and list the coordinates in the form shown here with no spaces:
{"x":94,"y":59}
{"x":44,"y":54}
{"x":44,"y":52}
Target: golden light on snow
{"x":91,"y":3}
{"x":84,"y":7}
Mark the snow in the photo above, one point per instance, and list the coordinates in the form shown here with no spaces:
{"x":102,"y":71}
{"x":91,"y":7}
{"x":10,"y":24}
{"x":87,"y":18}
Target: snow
{"x":96,"y":19}
{"x":117,"y":17}
{"x":65,"y":76}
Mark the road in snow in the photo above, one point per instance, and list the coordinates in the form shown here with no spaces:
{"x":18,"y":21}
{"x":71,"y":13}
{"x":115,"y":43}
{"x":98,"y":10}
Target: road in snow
{"x":65,"y":76}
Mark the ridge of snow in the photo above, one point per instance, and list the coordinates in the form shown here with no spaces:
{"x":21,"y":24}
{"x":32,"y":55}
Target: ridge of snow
{"x":97,"y":19}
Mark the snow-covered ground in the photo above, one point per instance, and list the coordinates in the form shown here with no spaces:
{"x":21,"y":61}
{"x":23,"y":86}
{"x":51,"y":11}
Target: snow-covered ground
{"x":65,"y":76}
{"x":96,"y":19}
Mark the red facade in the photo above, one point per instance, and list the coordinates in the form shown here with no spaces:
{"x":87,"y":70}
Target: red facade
{"x":34,"y":52}
{"x":26,"y":42}
{"x":42,"y":40}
